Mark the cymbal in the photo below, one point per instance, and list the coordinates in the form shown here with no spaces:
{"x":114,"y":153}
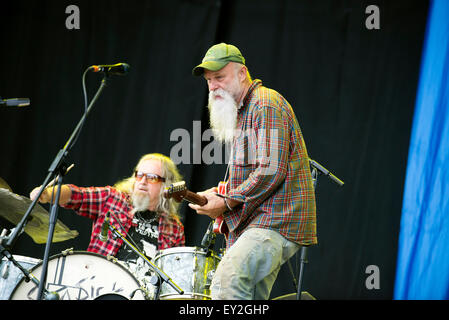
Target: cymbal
{"x":4,"y":185}
{"x":13,"y":207}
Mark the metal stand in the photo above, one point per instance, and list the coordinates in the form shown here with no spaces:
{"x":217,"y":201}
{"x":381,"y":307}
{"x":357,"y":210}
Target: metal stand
{"x":57,"y":169}
{"x":302,"y":260}
{"x":316,"y":170}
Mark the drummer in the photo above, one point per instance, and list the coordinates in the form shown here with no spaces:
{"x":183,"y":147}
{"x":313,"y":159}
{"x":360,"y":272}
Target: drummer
{"x":137,"y":209}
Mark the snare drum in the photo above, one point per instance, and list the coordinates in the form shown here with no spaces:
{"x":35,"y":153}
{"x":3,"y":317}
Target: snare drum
{"x":10,"y":275}
{"x":191,"y":268}
{"x":82,"y":275}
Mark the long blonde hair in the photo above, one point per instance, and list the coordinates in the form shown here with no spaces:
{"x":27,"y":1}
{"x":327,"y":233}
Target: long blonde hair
{"x":169,"y":172}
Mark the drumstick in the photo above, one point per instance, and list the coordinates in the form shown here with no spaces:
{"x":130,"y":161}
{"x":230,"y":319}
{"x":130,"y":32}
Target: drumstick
{"x":52,"y":182}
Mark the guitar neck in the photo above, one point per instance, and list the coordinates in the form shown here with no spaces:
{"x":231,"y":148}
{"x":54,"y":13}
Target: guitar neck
{"x":195,"y":198}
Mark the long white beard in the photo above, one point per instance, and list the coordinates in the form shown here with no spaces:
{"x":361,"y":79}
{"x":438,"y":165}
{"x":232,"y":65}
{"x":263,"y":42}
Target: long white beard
{"x":140,"y":201}
{"x":222,"y":115}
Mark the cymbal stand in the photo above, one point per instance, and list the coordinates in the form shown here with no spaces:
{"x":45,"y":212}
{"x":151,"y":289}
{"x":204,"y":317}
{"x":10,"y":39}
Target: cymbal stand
{"x":161,"y":275}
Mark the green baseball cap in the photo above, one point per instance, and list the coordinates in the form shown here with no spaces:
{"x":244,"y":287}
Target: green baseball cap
{"x":217,"y":57}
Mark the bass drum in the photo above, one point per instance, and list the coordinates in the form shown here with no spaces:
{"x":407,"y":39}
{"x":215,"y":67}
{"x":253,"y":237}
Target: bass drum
{"x":191,"y":268}
{"x":82,"y":275}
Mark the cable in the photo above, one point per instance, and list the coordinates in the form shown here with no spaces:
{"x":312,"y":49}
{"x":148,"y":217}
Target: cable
{"x":83,"y":83}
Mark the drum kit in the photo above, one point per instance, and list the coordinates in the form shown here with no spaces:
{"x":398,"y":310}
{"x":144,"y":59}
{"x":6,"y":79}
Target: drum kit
{"x":177,"y":273}
{"x":180,"y":273}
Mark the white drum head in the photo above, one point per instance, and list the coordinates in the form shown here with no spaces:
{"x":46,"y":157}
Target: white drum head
{"x":81,"y":275}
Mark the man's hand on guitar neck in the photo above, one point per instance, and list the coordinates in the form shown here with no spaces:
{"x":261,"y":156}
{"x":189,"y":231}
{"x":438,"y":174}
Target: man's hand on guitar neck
{"x":215,"y":206}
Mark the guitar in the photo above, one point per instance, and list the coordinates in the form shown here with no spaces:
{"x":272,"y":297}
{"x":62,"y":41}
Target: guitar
{"x":179,"y":192}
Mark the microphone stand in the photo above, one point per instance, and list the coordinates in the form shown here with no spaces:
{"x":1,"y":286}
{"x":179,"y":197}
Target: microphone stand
{"x":161,"y":275}
{"x":316,"y":170}
{"x":57,"y":167}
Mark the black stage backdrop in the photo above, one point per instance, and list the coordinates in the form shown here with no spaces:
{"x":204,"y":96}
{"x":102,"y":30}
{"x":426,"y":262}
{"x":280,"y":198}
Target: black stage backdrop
{"x":353,"y":91}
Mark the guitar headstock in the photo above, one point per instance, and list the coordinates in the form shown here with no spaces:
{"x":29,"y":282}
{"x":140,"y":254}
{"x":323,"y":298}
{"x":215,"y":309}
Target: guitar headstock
{"x":176,"y":191}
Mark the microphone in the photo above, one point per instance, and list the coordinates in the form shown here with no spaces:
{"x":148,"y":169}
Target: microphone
{"x":16,"y":102}
{"x":208,"y":240}
{"x":119,"y":69}
{"x":104,"y":229}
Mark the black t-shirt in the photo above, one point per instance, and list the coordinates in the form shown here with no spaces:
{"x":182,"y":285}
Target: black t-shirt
{"x":143,"y":234}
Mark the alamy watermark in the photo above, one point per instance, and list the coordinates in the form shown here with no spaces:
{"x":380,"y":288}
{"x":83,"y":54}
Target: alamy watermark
{"x":251,"y":148}
{"x":73,"y":19}
{"x":373,"y":280}
{"x":373,"y":20}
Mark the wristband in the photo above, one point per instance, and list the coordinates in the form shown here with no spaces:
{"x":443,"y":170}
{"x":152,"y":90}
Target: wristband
{"x":227,"y":205}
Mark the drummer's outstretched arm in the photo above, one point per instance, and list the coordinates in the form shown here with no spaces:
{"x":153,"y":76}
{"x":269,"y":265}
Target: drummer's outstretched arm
{"x":47,"y":194}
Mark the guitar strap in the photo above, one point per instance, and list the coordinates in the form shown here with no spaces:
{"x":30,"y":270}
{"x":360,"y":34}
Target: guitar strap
{"x":229,"y":161}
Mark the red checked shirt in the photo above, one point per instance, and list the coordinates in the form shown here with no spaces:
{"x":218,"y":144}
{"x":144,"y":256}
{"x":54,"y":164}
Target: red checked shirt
{"x":95,"y":202}
{"x":269,"y":170}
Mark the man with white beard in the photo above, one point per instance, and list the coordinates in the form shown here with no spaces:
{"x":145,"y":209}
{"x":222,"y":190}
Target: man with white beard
{"x":136,"y":208}
{"x":269,"y":205}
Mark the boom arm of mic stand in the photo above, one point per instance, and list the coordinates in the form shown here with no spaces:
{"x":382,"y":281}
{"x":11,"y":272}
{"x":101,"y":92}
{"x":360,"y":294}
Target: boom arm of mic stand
{"x":162,"y":275}
{"x":326,"y":172}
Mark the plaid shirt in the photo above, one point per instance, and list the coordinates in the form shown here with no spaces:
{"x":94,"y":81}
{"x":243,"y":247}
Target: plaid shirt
{"x":95,"y":202}
{"x":269,"y":170}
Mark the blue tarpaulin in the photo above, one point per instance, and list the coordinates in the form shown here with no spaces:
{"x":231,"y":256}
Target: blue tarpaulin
{"x":423,"y":252}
